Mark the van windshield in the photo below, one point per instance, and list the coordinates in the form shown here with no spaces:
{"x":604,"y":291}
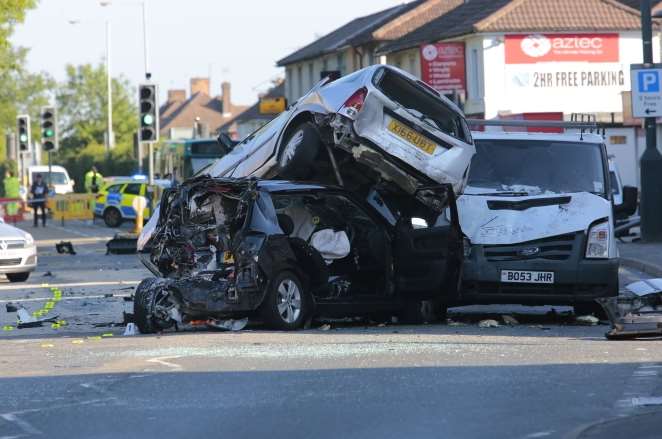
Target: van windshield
{"x":533,"y":167}
{"x":56,"y":177}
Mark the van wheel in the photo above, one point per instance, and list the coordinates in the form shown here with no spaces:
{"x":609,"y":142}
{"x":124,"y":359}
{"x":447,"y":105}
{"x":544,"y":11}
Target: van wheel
{"x":299,"y":151}
{"x":286,"y":305}
{"x":18,"y":277}
{"x":112,"y":217}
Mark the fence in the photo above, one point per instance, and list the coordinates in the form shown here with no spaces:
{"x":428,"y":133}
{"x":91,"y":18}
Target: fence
{"x":71,"y":207}
{"x":12,"y":209}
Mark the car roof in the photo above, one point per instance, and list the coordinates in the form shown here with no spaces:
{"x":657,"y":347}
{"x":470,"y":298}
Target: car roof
{"x":554,"y":137}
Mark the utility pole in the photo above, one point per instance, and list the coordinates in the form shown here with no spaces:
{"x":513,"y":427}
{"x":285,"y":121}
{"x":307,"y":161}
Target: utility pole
{"x":110,"y":141}
{"x":650,"y":208}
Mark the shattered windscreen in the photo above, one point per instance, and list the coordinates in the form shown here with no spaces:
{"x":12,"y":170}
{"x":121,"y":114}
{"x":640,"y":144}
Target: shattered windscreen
{"x":534,"y":167}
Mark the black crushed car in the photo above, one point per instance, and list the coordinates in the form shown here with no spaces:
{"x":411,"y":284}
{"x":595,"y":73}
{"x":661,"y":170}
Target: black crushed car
{"x":284,"y":252}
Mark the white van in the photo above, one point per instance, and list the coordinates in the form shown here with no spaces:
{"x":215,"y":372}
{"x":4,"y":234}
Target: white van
{"x":538,"y":218}
{"x":59,"y":178}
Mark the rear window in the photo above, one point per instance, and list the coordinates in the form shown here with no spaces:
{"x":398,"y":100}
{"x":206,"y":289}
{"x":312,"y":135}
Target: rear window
{"x":422,"y":104}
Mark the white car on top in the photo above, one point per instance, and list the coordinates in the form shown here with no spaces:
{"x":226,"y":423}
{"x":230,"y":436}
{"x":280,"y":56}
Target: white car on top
{"x":18,"y":253}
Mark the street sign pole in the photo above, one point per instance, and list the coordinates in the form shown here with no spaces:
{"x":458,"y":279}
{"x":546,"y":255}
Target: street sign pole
{"x":650,"y":208}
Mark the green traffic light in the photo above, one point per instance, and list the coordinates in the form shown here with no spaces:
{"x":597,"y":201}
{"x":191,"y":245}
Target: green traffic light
{"x":48,"y":133}
{"x":23,"y":137}
{"x":148,"y":119}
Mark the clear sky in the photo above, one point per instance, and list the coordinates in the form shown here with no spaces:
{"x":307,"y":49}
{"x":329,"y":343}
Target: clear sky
{"x":238,"y":40}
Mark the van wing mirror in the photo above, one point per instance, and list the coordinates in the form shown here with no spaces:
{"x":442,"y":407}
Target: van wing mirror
{"x":630,"y":199}
{"x":226,"y":141}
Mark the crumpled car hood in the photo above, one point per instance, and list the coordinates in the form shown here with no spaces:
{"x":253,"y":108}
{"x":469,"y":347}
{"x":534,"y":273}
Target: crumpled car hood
{"x":504,"y":224}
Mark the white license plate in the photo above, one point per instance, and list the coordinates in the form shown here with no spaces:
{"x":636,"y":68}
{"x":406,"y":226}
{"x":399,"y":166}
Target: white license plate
{"x":527,"y":277}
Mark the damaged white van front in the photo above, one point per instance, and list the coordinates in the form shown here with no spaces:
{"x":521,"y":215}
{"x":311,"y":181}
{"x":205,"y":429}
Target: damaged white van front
{"x":537,"y":219}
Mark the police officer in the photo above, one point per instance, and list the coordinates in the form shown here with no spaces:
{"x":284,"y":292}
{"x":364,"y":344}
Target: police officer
{"x":12,"y":190}
{"x":93,"y":181}
{"x":38,"y":197}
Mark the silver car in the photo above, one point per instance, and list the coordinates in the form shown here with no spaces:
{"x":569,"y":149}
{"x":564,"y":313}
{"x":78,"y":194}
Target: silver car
{"x":18,"y":253}
{"x":377,"y":124}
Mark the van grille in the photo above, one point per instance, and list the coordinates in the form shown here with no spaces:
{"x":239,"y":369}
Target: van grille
{"x":555,"y":248}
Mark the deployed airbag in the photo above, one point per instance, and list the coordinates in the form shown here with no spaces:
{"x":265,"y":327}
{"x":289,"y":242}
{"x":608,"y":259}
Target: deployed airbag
{"x":331,"y":245}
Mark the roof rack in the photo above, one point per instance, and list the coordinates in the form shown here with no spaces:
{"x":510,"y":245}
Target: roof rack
{"x":583,"y":126}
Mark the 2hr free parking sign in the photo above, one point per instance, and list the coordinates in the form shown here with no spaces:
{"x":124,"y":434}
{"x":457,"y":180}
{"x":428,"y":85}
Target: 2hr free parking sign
{"x":646,"y":90}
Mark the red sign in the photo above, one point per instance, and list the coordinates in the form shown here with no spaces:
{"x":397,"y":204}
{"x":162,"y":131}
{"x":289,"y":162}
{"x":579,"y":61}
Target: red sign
{"x":442,"y":66}
{"x":535,"y":48}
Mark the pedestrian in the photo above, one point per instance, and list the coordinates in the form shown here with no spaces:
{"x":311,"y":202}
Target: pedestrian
{"x":12,"y":190}
{"x":39,"y":195}
{"x":93,"y":180}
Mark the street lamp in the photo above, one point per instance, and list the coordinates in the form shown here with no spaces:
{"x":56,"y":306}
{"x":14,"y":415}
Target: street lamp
{"x":110,"y":141}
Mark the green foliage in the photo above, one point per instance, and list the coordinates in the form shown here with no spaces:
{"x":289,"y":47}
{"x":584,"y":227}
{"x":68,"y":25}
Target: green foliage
{"x":82,"y":107}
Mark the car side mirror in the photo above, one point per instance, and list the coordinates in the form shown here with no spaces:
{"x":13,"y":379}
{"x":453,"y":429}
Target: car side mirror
{"x":226,"y":141}
{"x":629,"y":206}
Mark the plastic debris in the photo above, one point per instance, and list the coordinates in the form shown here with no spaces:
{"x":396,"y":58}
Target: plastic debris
{"x":509,"y":320}
{"x":488,"y":323}
{"x":131,"y":329}
{"x":49,"y":274}
{"x":11,"y":307}
{"x":65,"y":247}
{"x":26,"y":320}
{"x":228,"y":325}
{"x":451,"y":322}
{"x":587,"y":320}
{"x":325,"y":327}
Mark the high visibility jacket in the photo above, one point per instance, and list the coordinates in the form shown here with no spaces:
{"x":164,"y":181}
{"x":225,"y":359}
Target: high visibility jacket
{"x":93,"y":179}
{"x":12,"y":187}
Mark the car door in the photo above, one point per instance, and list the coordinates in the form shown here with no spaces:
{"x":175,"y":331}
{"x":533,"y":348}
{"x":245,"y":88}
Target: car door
{"x":130,"y":192}
{"x":428,"y":253}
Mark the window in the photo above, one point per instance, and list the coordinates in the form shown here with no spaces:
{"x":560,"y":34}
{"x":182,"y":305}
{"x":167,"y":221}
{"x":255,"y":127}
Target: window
{"x":311,"y":75}
{"x":474,"y":83}
{"x":412,"y":64}
{"x":114,"y":188}
{"x":340,"y":60}
{"x":132,"y":189}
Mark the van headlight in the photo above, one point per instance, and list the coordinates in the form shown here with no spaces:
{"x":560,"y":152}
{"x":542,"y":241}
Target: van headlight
{"x":597,"y":245}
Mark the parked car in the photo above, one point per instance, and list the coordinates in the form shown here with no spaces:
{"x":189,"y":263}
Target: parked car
{"x":18,"y":253}
{"x":59,"y":178}
{"x":287,"y":251}
{"x":538,"y":220}
{"x":377,"y":124}
{"x":114,"y":202}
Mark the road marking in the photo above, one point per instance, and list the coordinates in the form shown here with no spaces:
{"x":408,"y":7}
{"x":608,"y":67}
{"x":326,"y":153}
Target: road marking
{"x":161,"y":360}
{"x":70,"y":284}
{"x":45,"y":299}
{"x":22,"y":424}
{"x":638,"y":390}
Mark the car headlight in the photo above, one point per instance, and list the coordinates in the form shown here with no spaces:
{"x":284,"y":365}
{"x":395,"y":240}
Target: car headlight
{"x":29,"y":240}
{"x":597,"y":245}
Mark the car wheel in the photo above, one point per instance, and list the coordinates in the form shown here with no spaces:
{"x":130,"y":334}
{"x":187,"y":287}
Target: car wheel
{"x":148,"y":307}
{"x":424,"y":311}
{"x":590,"y":308}
{"x":286,"y":304}
{"x":18,"y":277}
{"x":299,"y":151}
{"x":112,"y":217}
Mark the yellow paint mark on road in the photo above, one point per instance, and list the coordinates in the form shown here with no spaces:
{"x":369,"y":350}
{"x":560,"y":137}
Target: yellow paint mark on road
{"x":107,"y":334}
{"x":77,"y":341}
{"x":47,"y":345}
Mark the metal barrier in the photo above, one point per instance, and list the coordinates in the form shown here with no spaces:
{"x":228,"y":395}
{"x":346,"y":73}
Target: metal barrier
{"x":12,"y":209}
{"x":71,"y":207}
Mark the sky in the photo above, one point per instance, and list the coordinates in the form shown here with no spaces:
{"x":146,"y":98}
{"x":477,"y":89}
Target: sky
{"x":237,"y":41}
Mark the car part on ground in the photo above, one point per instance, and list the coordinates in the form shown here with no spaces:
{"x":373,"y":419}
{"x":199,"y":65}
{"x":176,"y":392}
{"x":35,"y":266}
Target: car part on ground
{"x":636,"y":314}
{"x":285,"y":251}
{"x":122,"y":244}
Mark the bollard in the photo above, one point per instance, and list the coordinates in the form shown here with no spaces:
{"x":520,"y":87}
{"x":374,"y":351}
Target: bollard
{"x":139,"y":222}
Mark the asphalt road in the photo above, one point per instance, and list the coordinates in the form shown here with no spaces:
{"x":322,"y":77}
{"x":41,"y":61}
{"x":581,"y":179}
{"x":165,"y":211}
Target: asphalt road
{"x":546,"y":377}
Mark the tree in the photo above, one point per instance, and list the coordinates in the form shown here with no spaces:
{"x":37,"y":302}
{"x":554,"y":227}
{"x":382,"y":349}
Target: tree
{"x":82,"y":108}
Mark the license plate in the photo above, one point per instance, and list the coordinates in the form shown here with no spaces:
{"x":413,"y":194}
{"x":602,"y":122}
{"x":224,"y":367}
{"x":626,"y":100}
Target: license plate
{"x":527,"y":277}
{"x":419,"y":141}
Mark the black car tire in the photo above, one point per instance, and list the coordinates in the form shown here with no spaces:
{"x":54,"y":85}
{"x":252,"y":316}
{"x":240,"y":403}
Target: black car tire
{"x":18,"y":277}
{"x":143,"y":308}
{"x":112,"y":217}
{"x":276,"y":308}
{"x":297,"y":155}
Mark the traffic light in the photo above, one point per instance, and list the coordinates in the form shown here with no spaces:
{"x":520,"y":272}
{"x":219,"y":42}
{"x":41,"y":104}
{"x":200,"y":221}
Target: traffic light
{"x":48,"y":129}
{"x":23,"y":129}
{"x":149,"y":116}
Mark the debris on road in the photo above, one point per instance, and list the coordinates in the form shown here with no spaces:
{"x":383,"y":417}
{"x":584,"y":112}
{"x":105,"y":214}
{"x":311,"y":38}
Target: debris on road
{"x":637,"y":313}
{"x":228,"y":325}
{"x":488,"y":323}
{"x":25,"y":320}
{"x":11,"y":307}
{"x":49,"y":274}
{"x":131,"y":329}
{"x":587,"y":320}
{"x":450,"y":322}
{"x":509,"y":320}
{"x":65,"y":247}
{"x":122,"y":244}
{"x":325,"y":327}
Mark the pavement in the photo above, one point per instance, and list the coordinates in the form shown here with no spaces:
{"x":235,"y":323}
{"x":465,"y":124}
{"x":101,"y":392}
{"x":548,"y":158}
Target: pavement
{"x":546,"y":377}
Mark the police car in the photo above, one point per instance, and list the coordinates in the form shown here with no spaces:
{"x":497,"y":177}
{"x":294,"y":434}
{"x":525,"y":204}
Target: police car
{"x":114,"y":202}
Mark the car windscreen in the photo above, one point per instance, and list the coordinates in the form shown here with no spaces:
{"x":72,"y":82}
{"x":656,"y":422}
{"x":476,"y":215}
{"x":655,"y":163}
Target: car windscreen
{"x":422,"y":104}
{"x":533,"y":167}
{"x":55,"y":178}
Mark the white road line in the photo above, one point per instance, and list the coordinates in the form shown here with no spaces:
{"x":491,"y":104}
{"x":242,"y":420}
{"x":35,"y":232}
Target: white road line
{"x":69,"y":284}
{"x":46,"y":299}
{"x":22,"y":424}
{"x":161,"y":360}
{"x":638,"y":390}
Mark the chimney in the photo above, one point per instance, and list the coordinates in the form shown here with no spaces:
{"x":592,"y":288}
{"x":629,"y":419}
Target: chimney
{"x":227,"y":98}
{"x":176,"y":95}
{"x":200,"y":85}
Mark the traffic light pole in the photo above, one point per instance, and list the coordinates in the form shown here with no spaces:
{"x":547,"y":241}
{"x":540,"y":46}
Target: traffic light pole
{"x":151,"y":176}
{"x":50,"y":169}
{"x":650,"y":208}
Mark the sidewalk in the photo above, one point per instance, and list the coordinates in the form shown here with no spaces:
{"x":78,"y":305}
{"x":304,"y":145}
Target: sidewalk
{"x":645,"y":257}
